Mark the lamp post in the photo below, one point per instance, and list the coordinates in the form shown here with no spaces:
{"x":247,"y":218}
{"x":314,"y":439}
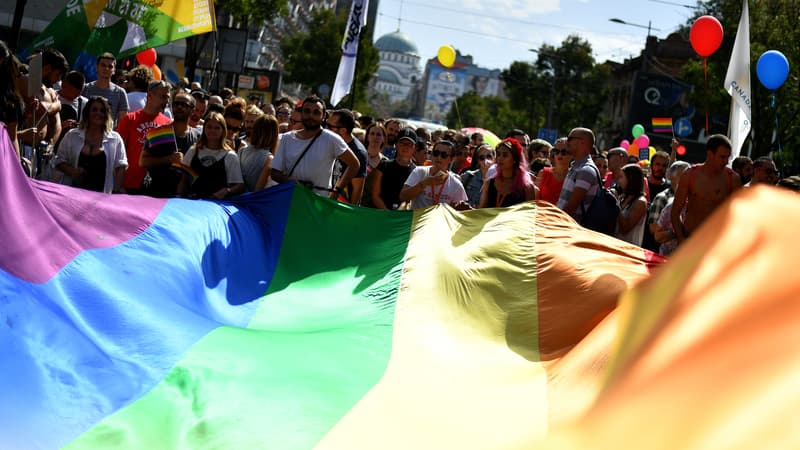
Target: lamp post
{"x":648,"y":27}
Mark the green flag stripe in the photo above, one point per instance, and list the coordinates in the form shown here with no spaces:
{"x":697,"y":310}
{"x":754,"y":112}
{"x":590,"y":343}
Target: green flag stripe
{"x":319,"y":342}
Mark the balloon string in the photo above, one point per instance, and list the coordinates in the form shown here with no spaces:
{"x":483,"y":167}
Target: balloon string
{"x":774,"y":104}
{"x":708,"y":94}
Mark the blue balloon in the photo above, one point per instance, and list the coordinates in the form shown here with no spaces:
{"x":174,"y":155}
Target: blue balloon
{"x":772,"y":69}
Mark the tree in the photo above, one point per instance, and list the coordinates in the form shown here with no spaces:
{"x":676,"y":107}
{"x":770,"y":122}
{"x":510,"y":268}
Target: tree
{"x":773,"y":26}
{"x":563,"y":86}
{"x":313,"y":58}
{"x":492,"y":113}
{"x":245,"y":12}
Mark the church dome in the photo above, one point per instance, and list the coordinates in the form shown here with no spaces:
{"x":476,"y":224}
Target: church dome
{"x":396,"y":42}
{"x":388,"y":76}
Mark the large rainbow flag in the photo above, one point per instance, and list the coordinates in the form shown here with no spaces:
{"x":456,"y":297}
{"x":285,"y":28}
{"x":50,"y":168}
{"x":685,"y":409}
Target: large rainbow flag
{"x":124,"y":27}
{"x":285,"y":320}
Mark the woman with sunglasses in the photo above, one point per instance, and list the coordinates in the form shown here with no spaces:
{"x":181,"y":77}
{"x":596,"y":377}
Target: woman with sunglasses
{"x":551,"y":179}
{"x":92,"y":156}
{"x":390,"y":176}
{"x":472,"y":180}
{"x":511,"y":183}
{"x":434,"y":184}
{"x":219,"y":173}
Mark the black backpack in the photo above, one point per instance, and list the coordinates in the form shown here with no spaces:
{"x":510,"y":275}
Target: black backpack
{"x":603,"y":211}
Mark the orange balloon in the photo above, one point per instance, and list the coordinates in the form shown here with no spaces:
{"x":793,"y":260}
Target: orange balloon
{"x":633,"y":150}
{"x":156,"y":72}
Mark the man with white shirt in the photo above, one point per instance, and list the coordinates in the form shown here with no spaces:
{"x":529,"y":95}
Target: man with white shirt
{"x":308,"y":155}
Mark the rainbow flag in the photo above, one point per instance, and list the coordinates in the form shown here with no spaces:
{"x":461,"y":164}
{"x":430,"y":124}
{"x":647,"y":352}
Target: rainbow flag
{"x":662,"y":125}
{"x":282,"y":319}
{"x":161,"y":140}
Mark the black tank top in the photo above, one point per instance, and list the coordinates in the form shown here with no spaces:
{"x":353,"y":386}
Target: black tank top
{"x":210,"y":179}
{"x":511,"y":199}
{"x":95,"y":166}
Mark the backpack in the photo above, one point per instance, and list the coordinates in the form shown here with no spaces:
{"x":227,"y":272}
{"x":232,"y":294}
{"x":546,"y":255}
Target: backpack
{"x":603,"y":211}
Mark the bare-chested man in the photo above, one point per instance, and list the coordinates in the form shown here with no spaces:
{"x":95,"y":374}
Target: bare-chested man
{"x":704,"y":186}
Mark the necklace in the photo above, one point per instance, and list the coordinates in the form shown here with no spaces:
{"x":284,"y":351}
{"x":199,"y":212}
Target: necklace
{"x":500,"y":198}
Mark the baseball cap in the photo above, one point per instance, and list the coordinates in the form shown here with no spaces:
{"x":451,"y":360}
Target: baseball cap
{"x":407,"y":133}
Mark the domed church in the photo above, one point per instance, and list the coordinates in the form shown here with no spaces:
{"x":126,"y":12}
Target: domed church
{"x":398,"y":68}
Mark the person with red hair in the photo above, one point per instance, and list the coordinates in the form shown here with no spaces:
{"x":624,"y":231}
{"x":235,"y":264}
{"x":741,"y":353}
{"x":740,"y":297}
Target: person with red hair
{"x":511,"y":183}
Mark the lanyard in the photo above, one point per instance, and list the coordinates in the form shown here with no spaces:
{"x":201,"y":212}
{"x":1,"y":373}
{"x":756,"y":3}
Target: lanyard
{"x":436,"y":197}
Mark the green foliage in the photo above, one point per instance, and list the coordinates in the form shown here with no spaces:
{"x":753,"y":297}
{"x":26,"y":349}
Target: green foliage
{"x":312,"y":58}
{"x":564,"y":84}
{"x":253,"y":11}
{"x":774,"y":25}
{"x":492,"y":113}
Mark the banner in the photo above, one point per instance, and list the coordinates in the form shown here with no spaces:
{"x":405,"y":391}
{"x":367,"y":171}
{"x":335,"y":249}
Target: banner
{"x":124,"y":27}
{"x":737,"y":83}
{"x":347,"y":65}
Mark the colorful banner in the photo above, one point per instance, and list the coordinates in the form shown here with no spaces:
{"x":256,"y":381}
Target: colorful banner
{"x":282,"y":319}
{"x":356,"y":21}
{"x":443,"y":88}
{"x":124,"y":27}
{"x":737,"y":83}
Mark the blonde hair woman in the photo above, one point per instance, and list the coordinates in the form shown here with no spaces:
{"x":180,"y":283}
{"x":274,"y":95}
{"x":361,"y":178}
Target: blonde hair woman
{"x":219,"y":173}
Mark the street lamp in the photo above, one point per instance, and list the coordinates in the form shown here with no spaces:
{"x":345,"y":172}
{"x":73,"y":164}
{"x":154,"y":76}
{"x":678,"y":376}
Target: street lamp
{"x":649,"y":27}
{"x":649,"y":23}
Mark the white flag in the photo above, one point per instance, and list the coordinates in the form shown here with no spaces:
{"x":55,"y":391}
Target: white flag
{"x":737,"y":83}
{"x":347,"y":65}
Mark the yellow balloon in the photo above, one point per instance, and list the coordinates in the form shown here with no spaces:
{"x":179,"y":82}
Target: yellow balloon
{"x":446,"y":56}
{"x":652,"y":152}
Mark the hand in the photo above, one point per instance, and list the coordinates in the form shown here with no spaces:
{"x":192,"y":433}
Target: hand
{"x":674,"y":144}
{"x":69,"y":124}
{"x":220,"y":194}
{"x":461,"y":206}
{"x":176,"y":157}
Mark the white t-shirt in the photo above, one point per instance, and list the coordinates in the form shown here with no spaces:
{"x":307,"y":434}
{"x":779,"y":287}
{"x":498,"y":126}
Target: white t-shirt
{"x":451,"y":191}
{"x":316,"y":166}
{"x":233,"y":169}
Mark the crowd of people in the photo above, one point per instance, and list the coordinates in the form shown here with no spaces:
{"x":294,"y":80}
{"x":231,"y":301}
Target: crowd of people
{"x":129,"y":133}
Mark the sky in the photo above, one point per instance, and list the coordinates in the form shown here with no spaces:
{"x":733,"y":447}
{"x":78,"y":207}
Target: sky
{"x":498,"y":32}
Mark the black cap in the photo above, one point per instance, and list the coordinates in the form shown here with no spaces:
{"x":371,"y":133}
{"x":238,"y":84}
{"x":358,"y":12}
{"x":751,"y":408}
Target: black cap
{"x":407,"y":133}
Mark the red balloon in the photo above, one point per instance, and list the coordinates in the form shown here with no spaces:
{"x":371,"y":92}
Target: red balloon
{"x":706,"y":35}
{"x":681,"y":150}
{"x":147,"y":57}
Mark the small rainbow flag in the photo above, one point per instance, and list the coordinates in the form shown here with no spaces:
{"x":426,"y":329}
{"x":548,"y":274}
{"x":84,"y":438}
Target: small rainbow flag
{"x":161,"y":141}
{"x":185,"y":170}
{"x":662,"y":125}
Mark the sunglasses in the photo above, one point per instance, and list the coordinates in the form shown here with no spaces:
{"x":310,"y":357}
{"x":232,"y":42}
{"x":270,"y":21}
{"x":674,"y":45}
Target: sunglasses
{"x":183,"y":104}
{"x":484,"y":157}
{"x":440,"y":154}
{"x":232,"y":128}
{"x":562,"y":152}
{"x":770,"y":171}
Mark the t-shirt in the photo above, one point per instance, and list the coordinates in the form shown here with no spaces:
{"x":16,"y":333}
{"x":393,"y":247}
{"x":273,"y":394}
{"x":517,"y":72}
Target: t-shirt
{"x":550,"y":187}
{"x":252,"y":161}
{"x":207,"y":157}
{"x":393,"y":177}
{"x":583,"y":174}
{"x":450,"y":192}
{"x":186,"y":141}
{"x":316,"y":167}
{"x":136,"y":100}
{"x":116,"y":96}
{"x":133,"y":128}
